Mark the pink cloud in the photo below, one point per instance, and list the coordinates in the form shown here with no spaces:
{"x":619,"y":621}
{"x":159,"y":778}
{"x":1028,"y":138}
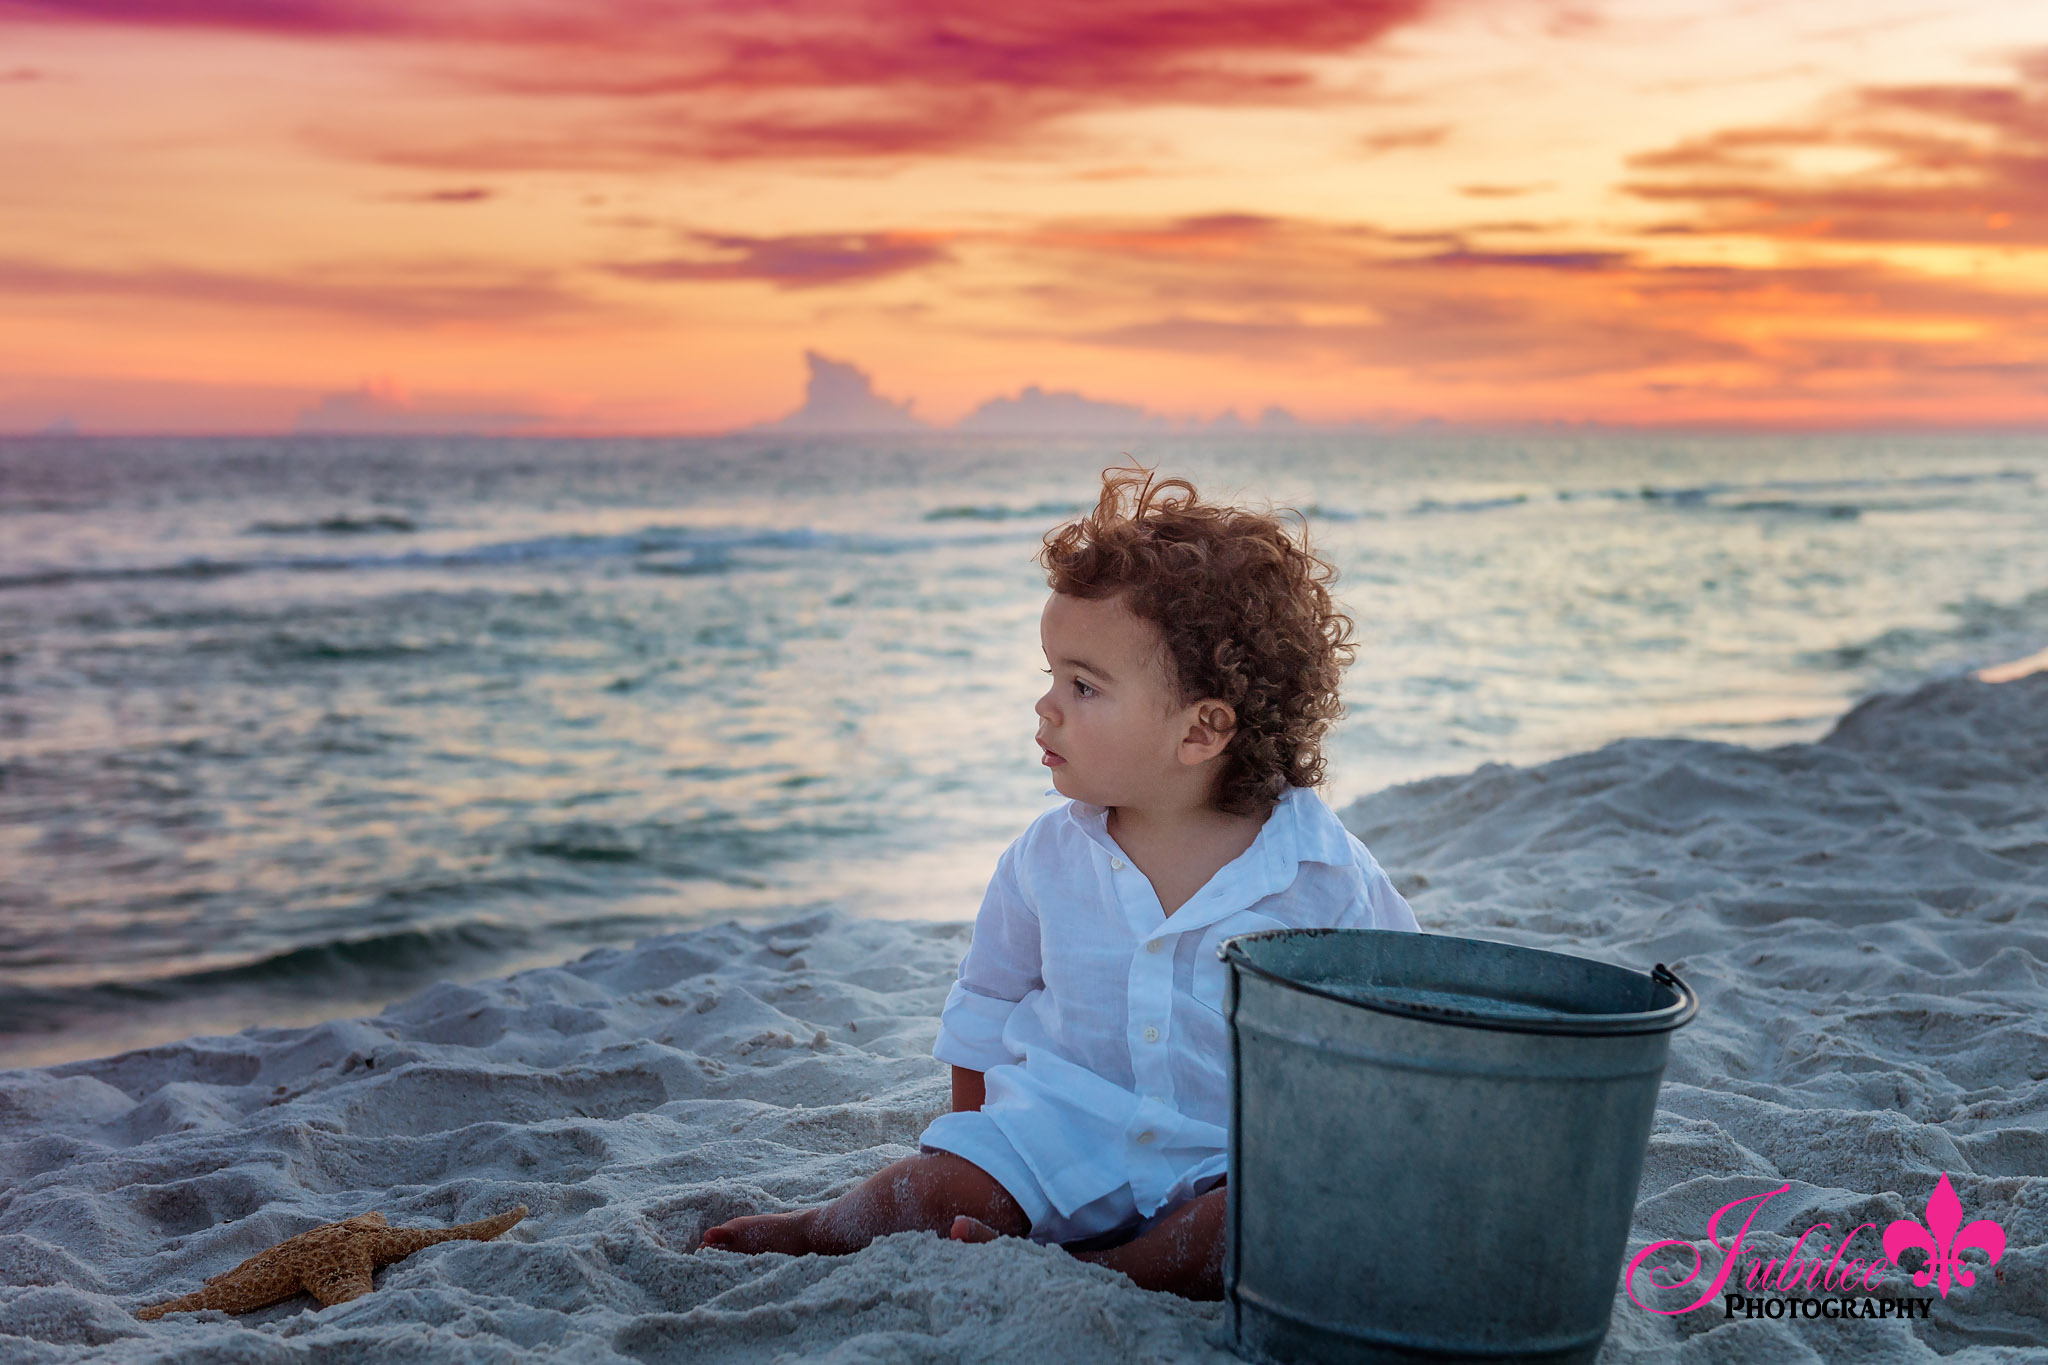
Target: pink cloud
{"x":310,"y":17}
{"x":793,"y":262}
{"x":710,"y":78}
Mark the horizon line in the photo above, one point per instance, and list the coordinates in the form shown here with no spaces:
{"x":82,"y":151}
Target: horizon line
{"x":1355,"y":427}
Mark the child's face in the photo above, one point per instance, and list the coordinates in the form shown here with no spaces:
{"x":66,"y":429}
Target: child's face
{"x":1108,"y":724}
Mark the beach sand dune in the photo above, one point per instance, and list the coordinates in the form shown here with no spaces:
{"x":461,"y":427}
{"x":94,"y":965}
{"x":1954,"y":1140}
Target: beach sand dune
{"x":1866,"y":919}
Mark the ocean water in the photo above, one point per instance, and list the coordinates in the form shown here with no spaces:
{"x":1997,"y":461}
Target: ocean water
{"x":291,"y":727}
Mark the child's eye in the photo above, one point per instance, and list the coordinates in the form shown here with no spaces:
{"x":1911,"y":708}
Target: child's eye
{"x":1083,"y":688}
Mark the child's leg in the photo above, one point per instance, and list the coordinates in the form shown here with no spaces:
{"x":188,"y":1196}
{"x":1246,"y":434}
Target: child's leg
{"x":919,"y":1193}
{"x":1180,"y":1254}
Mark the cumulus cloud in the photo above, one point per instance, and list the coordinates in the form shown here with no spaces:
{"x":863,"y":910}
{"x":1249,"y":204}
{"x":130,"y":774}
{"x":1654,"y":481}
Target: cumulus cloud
{"x":840,"y":398}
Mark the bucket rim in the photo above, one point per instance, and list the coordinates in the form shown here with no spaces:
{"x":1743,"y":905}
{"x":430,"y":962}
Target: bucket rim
{"x":1661,"y":1020}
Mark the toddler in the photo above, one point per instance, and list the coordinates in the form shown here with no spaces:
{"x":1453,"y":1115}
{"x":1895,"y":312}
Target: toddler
{"x":1195,"y":656}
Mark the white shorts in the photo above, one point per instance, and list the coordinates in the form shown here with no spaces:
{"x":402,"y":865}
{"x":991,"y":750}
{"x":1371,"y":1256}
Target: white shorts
{"x":973,"y":1136}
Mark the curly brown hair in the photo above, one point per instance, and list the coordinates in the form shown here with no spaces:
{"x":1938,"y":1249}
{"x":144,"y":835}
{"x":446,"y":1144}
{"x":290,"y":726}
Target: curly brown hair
{"x":1245,"y":612}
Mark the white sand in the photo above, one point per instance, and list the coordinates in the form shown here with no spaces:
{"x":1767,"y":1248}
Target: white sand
{"x":1864,"y":918}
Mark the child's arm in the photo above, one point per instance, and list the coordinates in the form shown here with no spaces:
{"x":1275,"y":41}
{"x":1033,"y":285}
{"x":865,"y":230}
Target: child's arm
{"x":1001,"y":967}
{"x":969,"y":1089}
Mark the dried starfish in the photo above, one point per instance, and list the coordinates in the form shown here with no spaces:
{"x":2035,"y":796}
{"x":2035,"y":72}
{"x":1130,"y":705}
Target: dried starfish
{"x":332,"y":1262}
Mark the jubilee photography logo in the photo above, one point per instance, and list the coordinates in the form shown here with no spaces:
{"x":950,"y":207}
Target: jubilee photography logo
{"x":1841,"y":1285}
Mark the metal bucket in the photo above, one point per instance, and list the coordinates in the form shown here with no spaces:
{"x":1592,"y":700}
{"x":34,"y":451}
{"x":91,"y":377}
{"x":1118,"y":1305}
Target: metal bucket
{"x":1434,"y":1144}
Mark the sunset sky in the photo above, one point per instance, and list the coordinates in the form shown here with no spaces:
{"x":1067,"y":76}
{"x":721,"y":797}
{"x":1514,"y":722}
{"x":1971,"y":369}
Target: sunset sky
{"x":636,"y":216}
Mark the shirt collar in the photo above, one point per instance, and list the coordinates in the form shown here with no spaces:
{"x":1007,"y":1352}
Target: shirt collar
{"x":1301,"y":829}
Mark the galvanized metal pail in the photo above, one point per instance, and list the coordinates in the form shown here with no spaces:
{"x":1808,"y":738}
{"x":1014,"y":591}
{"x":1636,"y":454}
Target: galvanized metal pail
{"x":1434,"y":1144}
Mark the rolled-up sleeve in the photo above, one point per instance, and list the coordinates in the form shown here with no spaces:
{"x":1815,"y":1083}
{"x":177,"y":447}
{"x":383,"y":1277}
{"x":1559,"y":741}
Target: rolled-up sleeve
{"x":1001,"y":967}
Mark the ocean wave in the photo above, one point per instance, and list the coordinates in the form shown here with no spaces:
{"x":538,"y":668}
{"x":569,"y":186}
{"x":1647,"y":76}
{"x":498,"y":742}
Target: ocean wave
{"x":1979,"y":632}
{"x":191,"y":568}
{"x":371,"y":523}
{"x":288,"y":647}
{"x":404,"y":952}
{"x":702,"y":559}
{"x":1682,"y":497}
{"x":1325,"y":512}
{"x":586,"y":842}
{"x":995,"y":511}
{"x":1431,"y":506}
{"x":654,"y":549}
{"x":700,"y":850}
{"x":1824,"y":496}
{"x":1832,"y":511}
{"x":396,"y":960}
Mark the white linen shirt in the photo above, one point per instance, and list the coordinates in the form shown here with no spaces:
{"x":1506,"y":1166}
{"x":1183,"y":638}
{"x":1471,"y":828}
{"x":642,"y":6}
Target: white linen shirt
{"x":1098,"y":1019}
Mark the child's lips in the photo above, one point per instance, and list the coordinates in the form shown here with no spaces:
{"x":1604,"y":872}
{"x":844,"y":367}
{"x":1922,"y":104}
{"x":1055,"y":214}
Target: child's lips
{"x":1051,"y":759}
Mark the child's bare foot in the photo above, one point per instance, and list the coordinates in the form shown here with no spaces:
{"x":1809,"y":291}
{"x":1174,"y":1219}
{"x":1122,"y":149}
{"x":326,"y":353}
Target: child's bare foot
{"x":923,"y":1193}
{"x":785,"y":1232}
{"x":967,"y":1229}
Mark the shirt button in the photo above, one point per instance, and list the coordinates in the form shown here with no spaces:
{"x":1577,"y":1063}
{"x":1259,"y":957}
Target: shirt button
{"x":1151,"y":1034}
{"x":1154,"y":1099}
{"x":1117,"y":864}
{"x":1145,"y":1138}
{"x":1155,"y":945}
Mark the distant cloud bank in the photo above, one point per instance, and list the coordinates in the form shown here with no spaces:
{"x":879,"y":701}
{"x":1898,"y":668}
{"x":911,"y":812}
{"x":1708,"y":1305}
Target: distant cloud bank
{"x":840,"y":399}
{"x":382,"y":408}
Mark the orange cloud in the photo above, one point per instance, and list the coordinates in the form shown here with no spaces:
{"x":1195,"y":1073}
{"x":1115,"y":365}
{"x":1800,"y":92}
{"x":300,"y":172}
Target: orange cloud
{"x":1513,"y":325}
{"x":468,"y":194}
{"x":378,"y":293}
{"x":1949,"y":164}
{"x":1398,"y":139}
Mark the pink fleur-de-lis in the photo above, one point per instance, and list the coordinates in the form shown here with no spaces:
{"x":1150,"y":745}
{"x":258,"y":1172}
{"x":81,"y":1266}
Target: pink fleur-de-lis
{"x":1944,"y":1214}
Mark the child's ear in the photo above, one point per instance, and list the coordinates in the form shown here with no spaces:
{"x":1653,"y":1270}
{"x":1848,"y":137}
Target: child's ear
{"x":1213,"y":725}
